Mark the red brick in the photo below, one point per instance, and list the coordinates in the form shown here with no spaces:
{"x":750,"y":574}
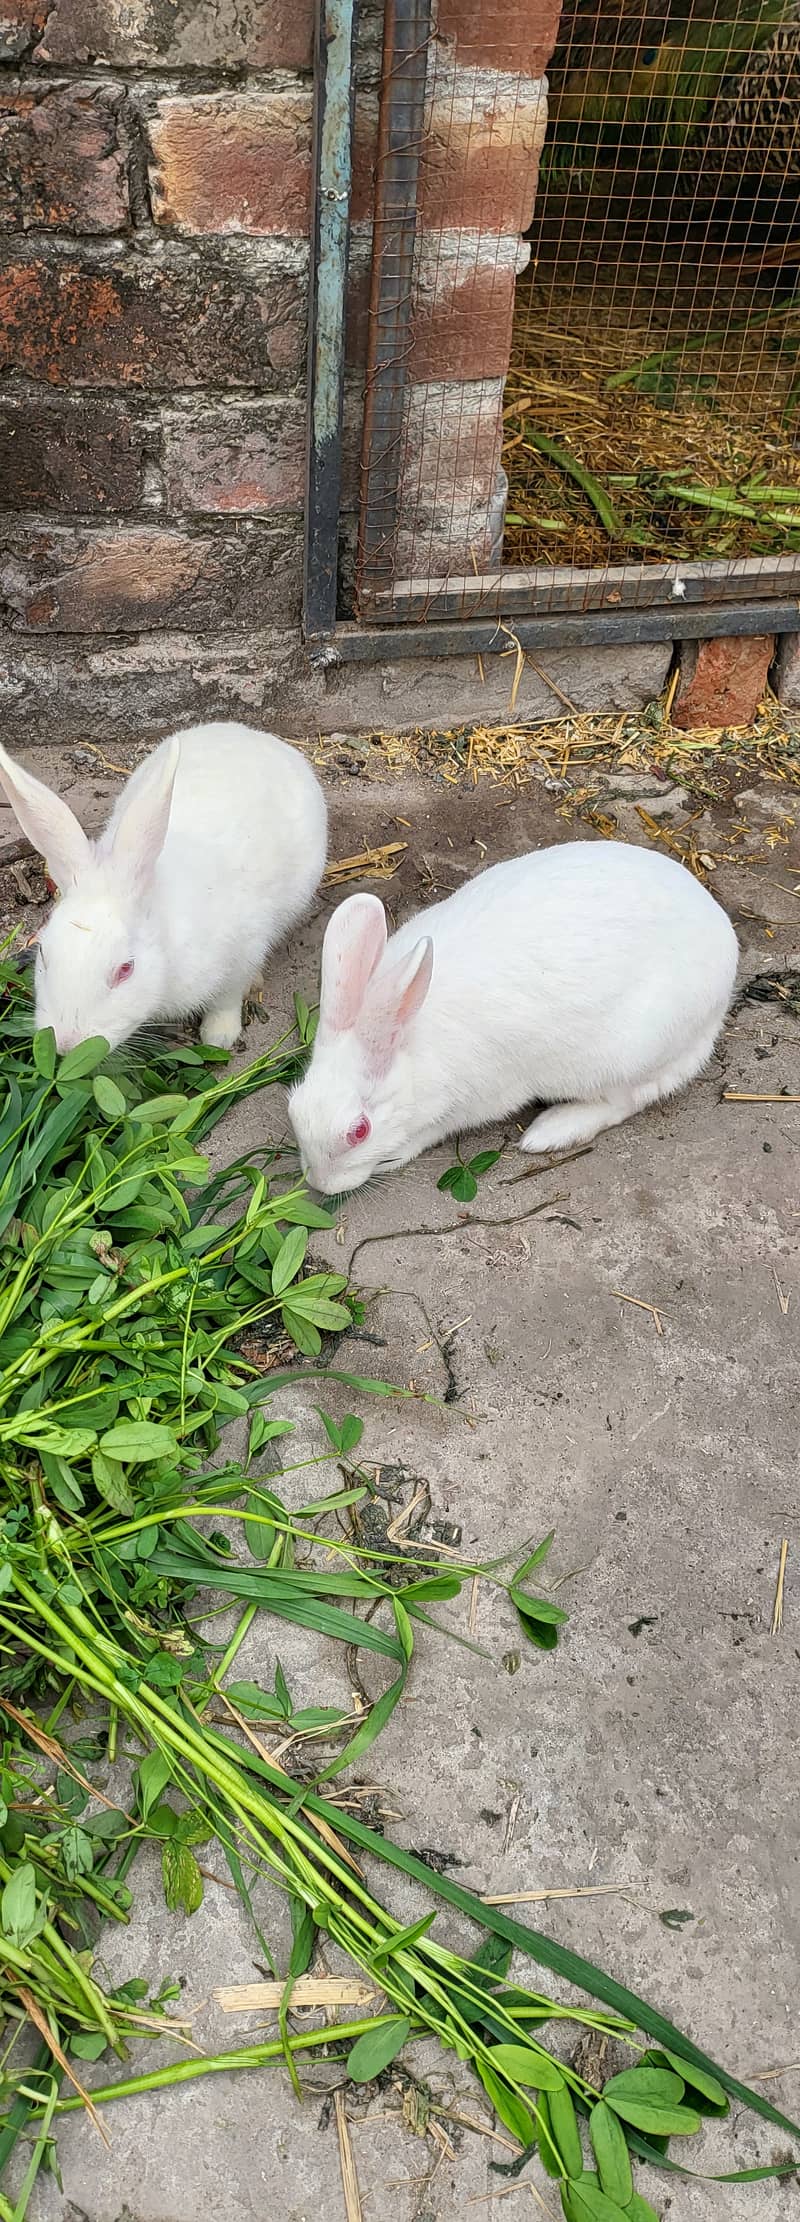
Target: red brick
{"x":200,"y":34}
{"x":183,"y":321}
{"x":502,"y":34}
{"x":60,"y":455}
{"x":462,"y":327}
{"x":63,"y":158}
{"x":232,"y":162}
{"x":142,"y":578}
{"x":248,"y":459}
{"x":479,"y":159}
{"x":722,"y":681}
{"x":478,"y":169}
{"x":20,"y":23}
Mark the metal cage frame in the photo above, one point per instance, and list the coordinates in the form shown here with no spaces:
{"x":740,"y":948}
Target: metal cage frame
{"x":542,"y":607}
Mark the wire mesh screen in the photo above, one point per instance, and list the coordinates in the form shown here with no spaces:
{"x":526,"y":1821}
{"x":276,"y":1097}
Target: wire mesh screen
{"x":601,"y":373}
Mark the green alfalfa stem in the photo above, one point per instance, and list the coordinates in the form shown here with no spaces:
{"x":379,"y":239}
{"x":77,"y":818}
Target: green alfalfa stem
{"x":705,"y":497}
{"x":248,"y":2056}
{"x":315,"y":1873}
{"x":698,"y":340}
{"x":18,"y":2212}
{"x":72,"y":1337}
{"x":331,"y":1893}
{"x":591,"y":486}
{"x":559,"y":1959}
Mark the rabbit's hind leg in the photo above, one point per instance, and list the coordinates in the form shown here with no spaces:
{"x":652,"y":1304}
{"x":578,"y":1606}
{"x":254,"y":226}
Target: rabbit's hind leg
{"x":568,"y":1123}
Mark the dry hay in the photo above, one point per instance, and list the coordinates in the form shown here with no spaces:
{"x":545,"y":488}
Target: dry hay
{"x":715,"y":413}
{"x":710,"y":760}
{"x":578,"y":756}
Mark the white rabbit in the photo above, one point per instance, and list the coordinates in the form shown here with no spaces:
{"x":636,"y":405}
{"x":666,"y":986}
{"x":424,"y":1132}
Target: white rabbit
{"x":593,"y":977}
{"x":214,"y":848}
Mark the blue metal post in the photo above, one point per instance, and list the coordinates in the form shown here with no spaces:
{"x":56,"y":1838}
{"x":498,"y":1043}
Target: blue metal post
{"x":333,"y":141}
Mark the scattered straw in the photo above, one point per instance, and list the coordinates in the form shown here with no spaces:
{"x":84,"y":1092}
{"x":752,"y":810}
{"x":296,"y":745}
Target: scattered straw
{"x":734,"y":1095}
{"x":370,"y":864}
{"x":671,"y":693}
{"x":352,"y":2196}
{"x":123,"y":770}
{"x":308,"y":1991}
{"x":782,"y":1297}
{"x":777,"y":1609}
{"x":578,"y":752}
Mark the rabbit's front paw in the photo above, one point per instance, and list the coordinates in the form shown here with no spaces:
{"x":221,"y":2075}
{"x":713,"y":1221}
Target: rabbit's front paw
{"x":222,"y":1028}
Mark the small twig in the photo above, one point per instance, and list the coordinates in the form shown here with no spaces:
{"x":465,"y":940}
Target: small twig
{"x":61,"y":1758}
{"x":545,"y":675}
{"x":519,"y":666}
{"x":733,"y":1095}
{"x":770,"y":2075}
{"x":394,"y":1532}
{"x":352,"y":2196}
{"x":511,"y":1821}
{"x":480,"y":2129}
{"x":534,"y":1172}
{"x":782,"y":1297}
{"x":220,"y":1880}
{"x":539,"y":1897}
{"x":655,"y":1310}
{"x":540,"y":2202}
{"x":777,"y":1609}
{"x":457,"y":1226}
{"x":123,"y":769}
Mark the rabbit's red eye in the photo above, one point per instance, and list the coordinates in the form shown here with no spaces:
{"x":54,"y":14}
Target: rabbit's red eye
{"x":123,"y":972}
{"x":359,"y":1133}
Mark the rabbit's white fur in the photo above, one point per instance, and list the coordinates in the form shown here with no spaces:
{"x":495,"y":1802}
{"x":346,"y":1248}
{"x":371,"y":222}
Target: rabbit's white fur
{"x":213,"y":849}
{"x":593,"y":977}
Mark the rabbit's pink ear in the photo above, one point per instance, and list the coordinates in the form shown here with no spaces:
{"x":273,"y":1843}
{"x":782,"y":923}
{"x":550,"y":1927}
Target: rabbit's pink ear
{"x":393,"y":1002}
{"x":48,"y":822}
{"x":354,"y":943}
{"x":142,"y":829}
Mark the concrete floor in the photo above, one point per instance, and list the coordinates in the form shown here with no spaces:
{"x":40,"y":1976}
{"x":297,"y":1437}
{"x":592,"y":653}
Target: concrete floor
{"x":656,"y":1749}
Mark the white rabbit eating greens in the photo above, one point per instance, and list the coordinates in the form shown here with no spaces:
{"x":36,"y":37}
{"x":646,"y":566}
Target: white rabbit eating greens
{"x":214,"y":848}
{"x":591,"y":977}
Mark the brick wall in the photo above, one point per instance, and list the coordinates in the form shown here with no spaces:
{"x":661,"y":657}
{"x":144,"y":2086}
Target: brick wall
{"x":154,"y":214}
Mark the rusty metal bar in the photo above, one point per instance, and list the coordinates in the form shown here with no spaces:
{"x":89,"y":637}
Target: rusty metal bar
{"x":542,"y":591}
{"x":400,"y":126}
